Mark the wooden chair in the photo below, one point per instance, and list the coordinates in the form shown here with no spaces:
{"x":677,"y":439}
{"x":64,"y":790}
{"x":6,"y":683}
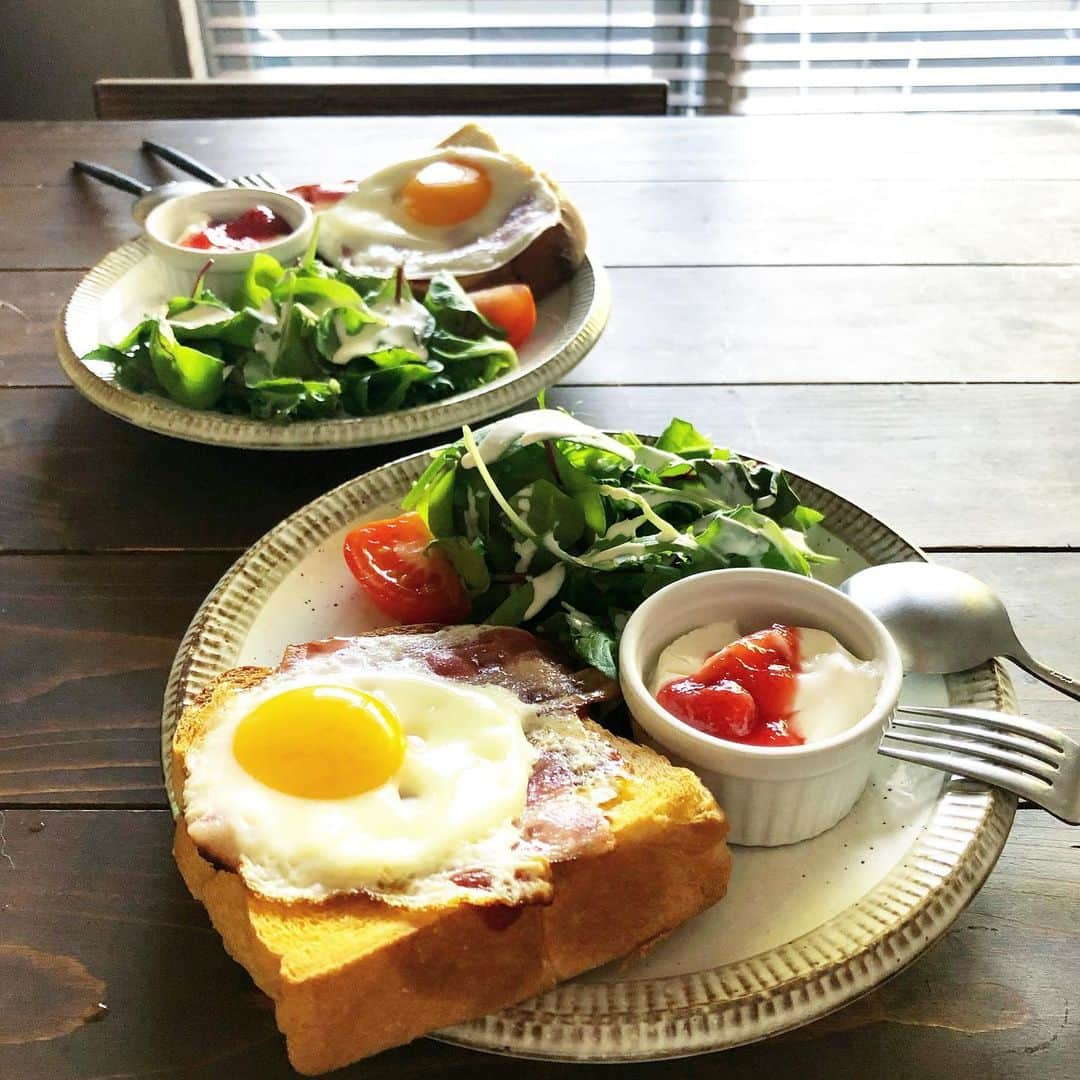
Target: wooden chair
{"x":182,"y":99}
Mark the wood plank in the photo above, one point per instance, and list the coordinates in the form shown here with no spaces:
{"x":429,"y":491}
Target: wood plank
{"x":839,"y":324}
{"x":80,"y":695}
{"x":94,"y":911}
{"x":29,"y":303}
{"x":634,"y":149}
{"x":949,"y":466}
{"x":81,"y":692}
{"x":714,"y":223}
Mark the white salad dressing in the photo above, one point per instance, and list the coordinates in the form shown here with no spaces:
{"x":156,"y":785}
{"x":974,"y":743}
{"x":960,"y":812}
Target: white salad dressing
{"x":834,"y":689}
{"x":546,"y":587}
{"x":403,"y":327}
{"x":535,"y":426}
{"x":525,"y":550}
{"x":199,"y":316}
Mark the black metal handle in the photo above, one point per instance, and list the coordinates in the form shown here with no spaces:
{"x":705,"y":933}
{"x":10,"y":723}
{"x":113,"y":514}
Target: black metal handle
{"x":184,"y":162}
{"x":111,"y":177}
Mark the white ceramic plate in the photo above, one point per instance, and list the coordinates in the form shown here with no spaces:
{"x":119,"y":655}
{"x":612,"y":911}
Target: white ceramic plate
{"x":130,"y":283}
{"x":804,"y":929}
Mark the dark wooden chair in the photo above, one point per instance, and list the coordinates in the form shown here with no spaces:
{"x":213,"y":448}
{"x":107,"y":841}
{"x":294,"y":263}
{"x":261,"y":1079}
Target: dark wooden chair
{"x":183,"y":99}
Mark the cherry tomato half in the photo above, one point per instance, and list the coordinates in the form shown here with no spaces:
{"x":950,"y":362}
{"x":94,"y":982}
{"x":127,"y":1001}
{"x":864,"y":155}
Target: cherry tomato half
{"x":404,"y":580}
{"x":509,"y":306}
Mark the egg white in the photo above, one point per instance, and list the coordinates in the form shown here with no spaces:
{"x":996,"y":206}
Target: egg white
{"x":450,"y":807}
{"x":369,"y":231}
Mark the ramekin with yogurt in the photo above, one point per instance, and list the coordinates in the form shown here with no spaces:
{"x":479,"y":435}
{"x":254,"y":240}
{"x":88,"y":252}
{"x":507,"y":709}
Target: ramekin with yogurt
{"x":787,"y":729}
{"x":171,"y":225}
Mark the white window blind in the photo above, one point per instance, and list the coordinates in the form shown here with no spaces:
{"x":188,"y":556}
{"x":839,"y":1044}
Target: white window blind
{"x":775,"y":56}
{"x":430,"y":41}
{"x":892,"y":56}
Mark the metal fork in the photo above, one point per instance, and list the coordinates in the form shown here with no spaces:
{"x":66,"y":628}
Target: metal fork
{"x":190,"y":165}
{"x":1020,"y":755}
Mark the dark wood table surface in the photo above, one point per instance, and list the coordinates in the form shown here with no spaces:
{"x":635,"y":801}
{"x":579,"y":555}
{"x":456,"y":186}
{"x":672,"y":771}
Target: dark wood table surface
{"x":890,"y":305}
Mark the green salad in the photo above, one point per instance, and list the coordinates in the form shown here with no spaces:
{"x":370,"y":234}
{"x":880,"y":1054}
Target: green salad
{"x":556,"y":526}
{"x":310,"y":342}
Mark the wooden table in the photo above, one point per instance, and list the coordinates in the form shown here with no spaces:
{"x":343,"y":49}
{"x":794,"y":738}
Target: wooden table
{"x":890,"y":305}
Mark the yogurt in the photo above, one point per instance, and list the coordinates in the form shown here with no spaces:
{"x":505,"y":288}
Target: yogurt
{"x":782,"y":686}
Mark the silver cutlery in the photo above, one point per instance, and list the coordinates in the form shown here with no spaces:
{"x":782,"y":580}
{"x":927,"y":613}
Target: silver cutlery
{"x":1023,"y":756}
{"x":186,"y":163}
{"x":943,"y":620}
{"x":149,"y":196}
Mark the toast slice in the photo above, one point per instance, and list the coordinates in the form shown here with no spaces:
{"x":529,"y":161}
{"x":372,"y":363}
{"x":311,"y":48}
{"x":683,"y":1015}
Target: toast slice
{"x":352,"y":975}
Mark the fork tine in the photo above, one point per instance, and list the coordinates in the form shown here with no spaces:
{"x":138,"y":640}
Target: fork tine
{"x":987,"y":752}
{"x":1021,"y":725}
{"x":999,"y":738}
{"x":1028,"y":788}
{"x":257,"y":180}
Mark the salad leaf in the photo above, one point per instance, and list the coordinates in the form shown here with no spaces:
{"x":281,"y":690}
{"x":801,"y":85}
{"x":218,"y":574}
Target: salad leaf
{"x":681,"y":437}
{"x":318,"y":294}
{"x":283,"y":399}
{"x":619,"y":529}
{"x":271,"y":353}
{"x":190,"y":376}
{"x":262,"y":275}
{"x":455,"y":313}
{"x":382,"y":390}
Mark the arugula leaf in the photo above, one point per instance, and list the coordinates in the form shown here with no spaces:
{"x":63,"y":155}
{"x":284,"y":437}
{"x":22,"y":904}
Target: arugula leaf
{"x":455,"y":313}
{"x":619,"y":530}
{"x":468,"y":560}
{"x":595,"y":644}
{"x":681,"y":437}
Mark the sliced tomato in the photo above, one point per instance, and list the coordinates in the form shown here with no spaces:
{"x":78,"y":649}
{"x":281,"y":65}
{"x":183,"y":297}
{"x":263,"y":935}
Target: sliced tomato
{"x":508,"y":306}
{"x":391,"y":561}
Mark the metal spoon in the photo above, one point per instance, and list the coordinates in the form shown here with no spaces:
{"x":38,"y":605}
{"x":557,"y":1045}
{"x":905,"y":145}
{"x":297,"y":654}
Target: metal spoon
{"x":943,"y":620}
{"x":149,"y":197}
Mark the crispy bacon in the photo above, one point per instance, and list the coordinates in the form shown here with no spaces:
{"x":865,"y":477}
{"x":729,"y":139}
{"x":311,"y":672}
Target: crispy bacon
{"x":566,"y":826}
{"x":501,"y":655}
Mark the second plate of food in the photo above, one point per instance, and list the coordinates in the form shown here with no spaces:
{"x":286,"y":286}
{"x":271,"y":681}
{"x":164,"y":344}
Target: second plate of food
{"x":130,"y":284}
{"x":804,"y":928}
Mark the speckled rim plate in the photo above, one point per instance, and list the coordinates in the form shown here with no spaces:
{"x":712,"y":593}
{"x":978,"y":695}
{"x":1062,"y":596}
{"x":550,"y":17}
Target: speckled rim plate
{"x":566,"y":340}
{"x":637,"y":1019}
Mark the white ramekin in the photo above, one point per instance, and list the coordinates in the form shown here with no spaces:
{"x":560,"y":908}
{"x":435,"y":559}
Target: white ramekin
{"x":772,"y":795}
{"x":167,"y":222}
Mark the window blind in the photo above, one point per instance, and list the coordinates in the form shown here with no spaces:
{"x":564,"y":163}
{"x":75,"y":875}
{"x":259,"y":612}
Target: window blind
{"x":892,"y":56}
{"x":431,"y":41}
{"x":775,"y":56}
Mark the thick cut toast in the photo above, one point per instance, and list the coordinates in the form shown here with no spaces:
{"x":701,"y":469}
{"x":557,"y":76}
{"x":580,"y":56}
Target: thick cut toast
{"x":352,"y":976}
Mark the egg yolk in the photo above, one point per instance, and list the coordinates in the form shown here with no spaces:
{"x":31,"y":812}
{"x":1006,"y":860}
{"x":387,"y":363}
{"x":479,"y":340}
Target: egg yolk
{"x":320,"y":742}
{"x":446,"y":193}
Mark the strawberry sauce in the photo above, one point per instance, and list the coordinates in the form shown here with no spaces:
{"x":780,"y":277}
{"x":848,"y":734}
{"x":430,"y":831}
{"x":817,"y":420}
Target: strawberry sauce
{"x":252,"y":228}
{"x":744,"y":693}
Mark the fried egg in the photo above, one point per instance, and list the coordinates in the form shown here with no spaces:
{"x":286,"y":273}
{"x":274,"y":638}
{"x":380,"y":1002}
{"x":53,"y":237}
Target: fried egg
{"x":460,"y":209}
{"x":338,"y":776}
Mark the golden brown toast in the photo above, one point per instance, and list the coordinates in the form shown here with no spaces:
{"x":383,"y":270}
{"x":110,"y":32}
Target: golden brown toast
{"x":352,"y":976}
